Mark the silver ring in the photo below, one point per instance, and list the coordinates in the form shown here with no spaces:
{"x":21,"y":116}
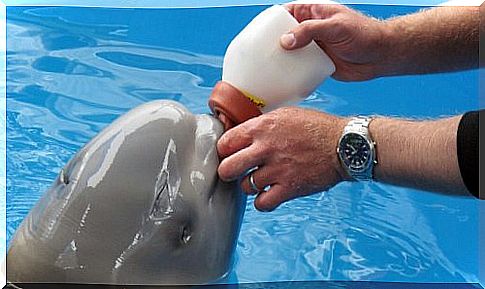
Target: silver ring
{"x":252,"y":183}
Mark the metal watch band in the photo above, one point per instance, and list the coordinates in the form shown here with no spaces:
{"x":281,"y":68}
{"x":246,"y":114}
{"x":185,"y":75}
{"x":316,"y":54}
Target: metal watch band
{"x":360,"y":125}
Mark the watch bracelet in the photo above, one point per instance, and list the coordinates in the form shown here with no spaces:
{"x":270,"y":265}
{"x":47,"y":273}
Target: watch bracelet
{"x":360,"y":125}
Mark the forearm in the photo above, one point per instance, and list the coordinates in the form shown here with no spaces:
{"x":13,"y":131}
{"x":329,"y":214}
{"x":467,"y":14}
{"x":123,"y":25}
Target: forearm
{"x":419,"y":154}
{"x":435,"y":40}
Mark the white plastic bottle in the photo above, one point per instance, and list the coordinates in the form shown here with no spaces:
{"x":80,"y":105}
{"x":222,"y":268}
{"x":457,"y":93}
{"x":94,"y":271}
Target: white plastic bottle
{"x":263,"y":71}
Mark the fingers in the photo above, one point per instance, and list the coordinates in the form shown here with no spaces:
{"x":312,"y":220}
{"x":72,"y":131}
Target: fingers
{"x":290,"y":7}
{"x":262,"y":177}
{"x":233,"y":140}
{"x":271,"y":199}
{"x":302,"y":12}
{"x":238,"y":163}
{"x":304,"y":33}
{"x":314,"y":23}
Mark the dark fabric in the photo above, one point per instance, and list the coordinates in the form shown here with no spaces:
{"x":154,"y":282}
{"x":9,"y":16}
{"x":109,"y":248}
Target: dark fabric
{"x":468,"y":150}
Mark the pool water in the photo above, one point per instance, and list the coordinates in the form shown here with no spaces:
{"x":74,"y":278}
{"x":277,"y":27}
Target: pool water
{"x":71,"y":71}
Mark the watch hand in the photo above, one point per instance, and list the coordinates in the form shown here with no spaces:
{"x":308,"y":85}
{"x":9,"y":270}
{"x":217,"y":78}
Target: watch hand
{"x":353,"y":149}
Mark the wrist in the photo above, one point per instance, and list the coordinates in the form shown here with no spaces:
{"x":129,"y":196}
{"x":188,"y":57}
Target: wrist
{"x":400,"y":145}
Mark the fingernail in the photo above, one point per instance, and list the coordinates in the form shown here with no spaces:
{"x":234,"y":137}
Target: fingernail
{"x":288,"y":40}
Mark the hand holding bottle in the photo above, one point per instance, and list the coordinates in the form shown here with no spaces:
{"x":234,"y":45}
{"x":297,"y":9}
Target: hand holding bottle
{"x":364,"y":48}
{"x":353,"y":40}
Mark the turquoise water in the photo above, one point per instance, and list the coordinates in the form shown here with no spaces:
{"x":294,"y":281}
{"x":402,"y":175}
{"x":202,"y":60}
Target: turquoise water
{"x":71,"y":71}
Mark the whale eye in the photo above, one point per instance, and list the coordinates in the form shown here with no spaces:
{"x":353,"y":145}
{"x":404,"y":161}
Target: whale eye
{"x":186,"y":236}
{"x":63,"y":177}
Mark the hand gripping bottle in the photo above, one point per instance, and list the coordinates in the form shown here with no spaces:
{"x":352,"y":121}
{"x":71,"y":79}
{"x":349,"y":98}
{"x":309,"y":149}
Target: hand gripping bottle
{"x":258,"y":75}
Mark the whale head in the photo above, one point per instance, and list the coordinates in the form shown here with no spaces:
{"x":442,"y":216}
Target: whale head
{"x":141,"y":203}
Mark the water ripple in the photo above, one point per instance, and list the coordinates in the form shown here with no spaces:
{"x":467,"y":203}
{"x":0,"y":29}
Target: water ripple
{"x":356,"y":231}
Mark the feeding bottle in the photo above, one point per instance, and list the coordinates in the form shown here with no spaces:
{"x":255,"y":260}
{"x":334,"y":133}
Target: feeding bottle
{"x":258,"y":75}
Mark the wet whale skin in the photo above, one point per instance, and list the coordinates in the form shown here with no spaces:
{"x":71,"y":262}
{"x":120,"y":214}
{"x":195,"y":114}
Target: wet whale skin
{"x":141,"y":203}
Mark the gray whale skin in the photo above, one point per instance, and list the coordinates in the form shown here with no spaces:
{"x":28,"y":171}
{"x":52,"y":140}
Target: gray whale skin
{"x":141,"y":203}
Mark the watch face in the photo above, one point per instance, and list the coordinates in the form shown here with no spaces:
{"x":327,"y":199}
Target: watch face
{"x":355,"y":152}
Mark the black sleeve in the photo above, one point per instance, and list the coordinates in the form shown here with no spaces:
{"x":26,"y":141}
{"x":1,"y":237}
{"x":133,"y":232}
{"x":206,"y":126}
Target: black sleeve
{"x":468,"y":150}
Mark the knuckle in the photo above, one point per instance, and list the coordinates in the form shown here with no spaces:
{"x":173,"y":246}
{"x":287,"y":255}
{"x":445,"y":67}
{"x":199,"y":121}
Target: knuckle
{"x":253,"y":126}
{"x":306,"y":28}
{"x":265,"y":150}
{"x":318,"y":10}
{"x":335,"y":23}
{"x":243,"y":130}
{"x":268,"y":122}
{"x":306,"y":11}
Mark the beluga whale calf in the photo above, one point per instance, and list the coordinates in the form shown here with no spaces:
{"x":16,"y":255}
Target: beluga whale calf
{"x":141,"y":203}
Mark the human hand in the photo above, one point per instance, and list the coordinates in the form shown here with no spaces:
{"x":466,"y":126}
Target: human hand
{"x":294,"y":150}
{"x":355,"y":42}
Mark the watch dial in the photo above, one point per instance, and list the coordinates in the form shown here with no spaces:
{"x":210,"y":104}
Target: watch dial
{"x":355,"y":152}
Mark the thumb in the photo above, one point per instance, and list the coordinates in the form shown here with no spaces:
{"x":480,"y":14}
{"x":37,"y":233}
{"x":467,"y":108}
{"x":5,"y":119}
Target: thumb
{"x":303,"y":34}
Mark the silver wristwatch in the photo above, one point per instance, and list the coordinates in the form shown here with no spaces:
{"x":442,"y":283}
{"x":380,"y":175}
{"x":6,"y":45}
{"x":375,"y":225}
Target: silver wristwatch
{"x":357,"y":150}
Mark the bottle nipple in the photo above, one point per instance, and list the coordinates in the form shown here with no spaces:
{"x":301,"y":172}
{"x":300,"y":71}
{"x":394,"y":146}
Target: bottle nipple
{"x":231,"y":106}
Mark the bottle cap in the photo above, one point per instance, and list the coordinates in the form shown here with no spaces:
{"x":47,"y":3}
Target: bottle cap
{"x":231,"y":106}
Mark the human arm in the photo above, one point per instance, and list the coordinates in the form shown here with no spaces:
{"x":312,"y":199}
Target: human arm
{"x":418,"y":154}
{"x":433,"y":40}
{"x":295,"y":151}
